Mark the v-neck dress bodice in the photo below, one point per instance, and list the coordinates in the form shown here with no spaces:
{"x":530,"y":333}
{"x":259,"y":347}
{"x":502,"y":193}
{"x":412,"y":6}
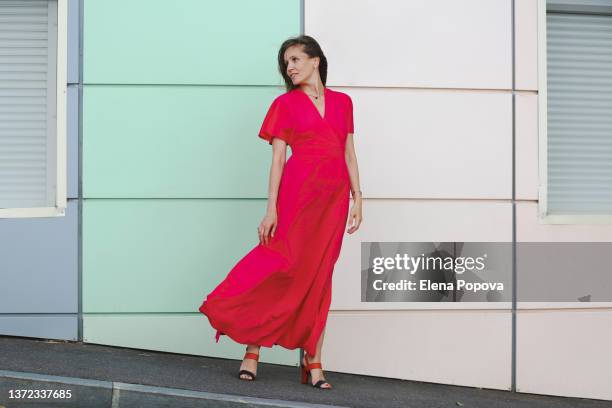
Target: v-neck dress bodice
{"x":280,"y":292}
{"x":294,"y":117}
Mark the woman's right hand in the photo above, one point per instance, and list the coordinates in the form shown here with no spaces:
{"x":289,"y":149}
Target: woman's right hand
{"x":267,"y":227}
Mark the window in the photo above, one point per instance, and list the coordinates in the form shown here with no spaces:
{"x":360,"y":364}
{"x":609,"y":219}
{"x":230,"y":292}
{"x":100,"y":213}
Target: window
{"x":32,"y":108}
{"x":575,"y":80}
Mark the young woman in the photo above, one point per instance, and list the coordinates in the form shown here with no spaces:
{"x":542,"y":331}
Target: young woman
{"x":280,"y":292}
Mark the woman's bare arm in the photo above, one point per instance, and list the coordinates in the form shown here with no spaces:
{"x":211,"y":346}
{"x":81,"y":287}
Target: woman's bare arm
{"x":355,"y":217}
{"x":268,"y":224}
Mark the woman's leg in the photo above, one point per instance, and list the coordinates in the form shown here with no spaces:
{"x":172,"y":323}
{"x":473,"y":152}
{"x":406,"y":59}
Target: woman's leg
{"x":317,"y":373}
{"x":249,"y":364}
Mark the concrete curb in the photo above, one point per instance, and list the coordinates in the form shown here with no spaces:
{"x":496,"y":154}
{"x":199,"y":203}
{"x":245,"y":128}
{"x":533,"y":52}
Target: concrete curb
{"x":109,"y":394}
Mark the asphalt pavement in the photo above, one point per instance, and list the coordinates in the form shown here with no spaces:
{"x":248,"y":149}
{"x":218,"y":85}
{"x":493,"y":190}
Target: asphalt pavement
{"x":106,"y":376}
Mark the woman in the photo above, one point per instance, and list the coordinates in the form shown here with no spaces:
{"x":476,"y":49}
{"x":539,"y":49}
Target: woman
{"x":280,"y":292}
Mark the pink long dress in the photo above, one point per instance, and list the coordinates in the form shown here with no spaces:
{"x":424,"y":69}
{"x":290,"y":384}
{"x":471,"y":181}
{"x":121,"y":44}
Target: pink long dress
{"x":280,"y":292}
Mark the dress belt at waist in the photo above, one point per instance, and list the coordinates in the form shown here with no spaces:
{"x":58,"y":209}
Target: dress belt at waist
{"x":330,"y":153}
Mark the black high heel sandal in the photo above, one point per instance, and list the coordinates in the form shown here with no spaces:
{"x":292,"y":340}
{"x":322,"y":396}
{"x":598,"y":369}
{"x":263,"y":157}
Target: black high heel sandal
{"x":252,"y":356}
{"x":306,"y":367}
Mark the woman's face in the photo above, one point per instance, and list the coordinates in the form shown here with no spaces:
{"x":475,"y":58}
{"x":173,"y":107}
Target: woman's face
{"x":300,"y":67}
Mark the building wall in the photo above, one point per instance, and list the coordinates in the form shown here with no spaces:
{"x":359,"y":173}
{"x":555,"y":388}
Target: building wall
{"x":39,"y":265}
{"x":174,"y":183}
{"x":432,"y":88}
{"x":431,"y":83}
{"x":174,"y":175}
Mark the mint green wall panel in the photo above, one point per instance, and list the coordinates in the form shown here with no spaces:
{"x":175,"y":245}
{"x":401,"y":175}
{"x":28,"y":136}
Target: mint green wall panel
{"x":175,"y":141}
{"x":162,"y":255}
{"x":175,"y":333}
{"x":187,"y":41}
{"x":175,"y":178}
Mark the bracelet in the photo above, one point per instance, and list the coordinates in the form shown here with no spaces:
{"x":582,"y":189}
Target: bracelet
{"x":358,"y":191}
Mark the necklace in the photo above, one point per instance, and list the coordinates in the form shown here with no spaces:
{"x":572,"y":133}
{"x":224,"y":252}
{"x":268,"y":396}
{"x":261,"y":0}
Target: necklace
{"x":313,"y":96}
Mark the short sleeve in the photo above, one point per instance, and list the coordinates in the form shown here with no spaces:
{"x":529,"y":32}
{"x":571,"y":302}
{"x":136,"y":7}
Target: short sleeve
{"x":277,"y":122}
{"x":349,"y":116}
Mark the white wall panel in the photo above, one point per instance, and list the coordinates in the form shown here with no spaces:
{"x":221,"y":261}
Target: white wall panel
{"x":417,"y":43}
{"x":415,"y":221}
{"x":565,"y":353}
{"x":417,"y":143}
{"x":526,"y":144}
{"x":526,"y":41}
{"x":468,"y":348}
{"x":529,"y":229}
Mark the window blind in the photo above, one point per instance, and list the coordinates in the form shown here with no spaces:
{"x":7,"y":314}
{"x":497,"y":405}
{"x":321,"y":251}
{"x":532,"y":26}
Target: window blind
{"x":28,"y":40}
{"x":579,"y":83}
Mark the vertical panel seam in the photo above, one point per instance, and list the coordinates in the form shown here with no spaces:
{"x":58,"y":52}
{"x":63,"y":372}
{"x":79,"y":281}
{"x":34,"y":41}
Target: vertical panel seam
{"x":80,"y":179}
{"x":302,"y":32}
{"x":302,"y":17}
{"x":514,"y":277}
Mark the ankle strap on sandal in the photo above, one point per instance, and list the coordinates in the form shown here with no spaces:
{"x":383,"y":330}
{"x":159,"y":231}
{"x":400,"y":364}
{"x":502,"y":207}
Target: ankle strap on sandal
{"x":253,"y":356}
{"x":314,"y":365}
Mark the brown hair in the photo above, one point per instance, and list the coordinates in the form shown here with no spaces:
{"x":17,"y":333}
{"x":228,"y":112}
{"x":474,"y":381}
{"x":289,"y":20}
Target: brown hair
{"x":311,"y":48}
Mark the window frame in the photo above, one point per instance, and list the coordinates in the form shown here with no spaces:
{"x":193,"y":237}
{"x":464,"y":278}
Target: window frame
{"x":584,"y":6}
{"x":60,"y":132}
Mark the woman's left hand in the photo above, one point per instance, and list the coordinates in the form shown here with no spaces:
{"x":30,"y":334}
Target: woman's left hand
{"x":355,"y":217}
